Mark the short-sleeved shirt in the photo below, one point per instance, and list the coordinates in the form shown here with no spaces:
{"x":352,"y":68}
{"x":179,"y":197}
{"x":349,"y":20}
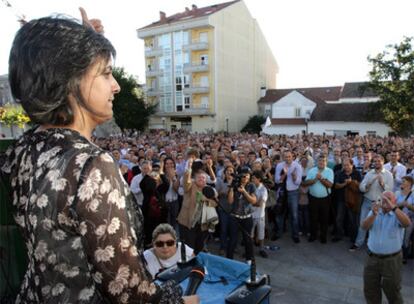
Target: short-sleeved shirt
{"x":386,"y":234}
{"x":318,"y":189}
{"x":340,"y":178}
{"x":241,"y":206}
{"x":261,"y":195}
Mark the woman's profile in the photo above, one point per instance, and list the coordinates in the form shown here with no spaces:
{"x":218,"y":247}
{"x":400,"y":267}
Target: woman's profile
{"x":81,"y":225}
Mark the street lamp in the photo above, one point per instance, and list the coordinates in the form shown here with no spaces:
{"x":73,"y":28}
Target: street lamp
{"x":163,"y":122}
{"x":227,"y":124}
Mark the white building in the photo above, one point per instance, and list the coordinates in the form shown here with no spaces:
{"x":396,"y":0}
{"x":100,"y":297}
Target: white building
{"x":331,"y":110}
{"x":206,"y":67}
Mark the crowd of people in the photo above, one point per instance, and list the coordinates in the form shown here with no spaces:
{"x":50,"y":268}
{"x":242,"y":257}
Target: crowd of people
{"x":303,"y":183}
{"x":88,"y":207}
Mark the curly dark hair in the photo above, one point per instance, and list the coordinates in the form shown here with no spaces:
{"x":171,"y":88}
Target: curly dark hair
{"x":48,"y":59}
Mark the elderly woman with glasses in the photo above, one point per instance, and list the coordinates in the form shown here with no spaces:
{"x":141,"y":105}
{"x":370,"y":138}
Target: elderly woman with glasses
{"x":166,"y":251}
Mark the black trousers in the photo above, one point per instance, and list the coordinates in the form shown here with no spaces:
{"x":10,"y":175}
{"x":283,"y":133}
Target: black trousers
{"x":193,"y":237}
{"x":319,"y":216}
{"x":246,"y":225}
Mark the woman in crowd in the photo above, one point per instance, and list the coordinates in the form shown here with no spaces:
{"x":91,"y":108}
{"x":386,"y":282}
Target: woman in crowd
{"x":190,"y":217}
{"x":171,"y":197}
{"x":405,"y":201}
{"x":71,"y":201}
{"x":165,"y":251}
{"x":224,"y":208}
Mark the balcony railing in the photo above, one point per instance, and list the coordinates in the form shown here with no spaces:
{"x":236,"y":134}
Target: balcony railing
{"x":197,"y":88}
{"x":193,"y":110}
{"x":153,"y":51}
{"x":153,"y":71}
{"x":196,"y":45}
{"x":196,"y":66}
{"x":153,"y":92}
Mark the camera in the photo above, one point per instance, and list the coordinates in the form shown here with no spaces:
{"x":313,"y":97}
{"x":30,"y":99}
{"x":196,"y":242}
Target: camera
{"x":236,"y":183}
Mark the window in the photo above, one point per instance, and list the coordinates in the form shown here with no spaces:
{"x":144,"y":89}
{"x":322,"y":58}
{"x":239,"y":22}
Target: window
{"x":186,"y":81}
{"x":187,"y":102}
{"x":203,"y":37}
{"x":297,"y":112}
{"x":204,"y":102}
{"x":164,"y":40}
{"x":268,"y":110}
{"x":203,"y":59}
{"x":178,"y":84}
{"x":204,"y":81}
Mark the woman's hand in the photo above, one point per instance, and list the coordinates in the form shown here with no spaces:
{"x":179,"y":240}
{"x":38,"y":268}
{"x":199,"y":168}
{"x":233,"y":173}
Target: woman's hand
{"x":194,"y":299}
{"x":96,"y":24}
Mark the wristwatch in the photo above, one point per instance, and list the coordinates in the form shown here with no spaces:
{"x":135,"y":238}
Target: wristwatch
{"x":393,"y":209}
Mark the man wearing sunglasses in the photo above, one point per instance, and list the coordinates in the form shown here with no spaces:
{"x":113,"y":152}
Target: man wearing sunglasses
{"x":166,"y":251}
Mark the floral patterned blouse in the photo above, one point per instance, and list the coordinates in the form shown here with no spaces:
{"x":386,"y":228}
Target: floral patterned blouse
{"x":82,"y":226}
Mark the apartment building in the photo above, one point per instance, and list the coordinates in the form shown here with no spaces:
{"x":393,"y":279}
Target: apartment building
{"x":205,"y":67}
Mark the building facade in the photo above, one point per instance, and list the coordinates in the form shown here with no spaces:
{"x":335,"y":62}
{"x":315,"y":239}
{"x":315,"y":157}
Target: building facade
{"x":331,"y":110}
{"x":205,"y":67}
{"x":5,"y":91}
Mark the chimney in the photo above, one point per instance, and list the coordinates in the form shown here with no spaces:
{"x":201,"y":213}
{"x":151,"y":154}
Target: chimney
{"x":163,"y":16}
{"x":194,"y":7}
{"x":262,"y":91}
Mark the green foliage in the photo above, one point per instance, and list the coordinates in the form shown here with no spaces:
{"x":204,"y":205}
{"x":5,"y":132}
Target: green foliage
{"x":392,"y":78}
{"x":130,"y":110}
{"x":254,"y":124}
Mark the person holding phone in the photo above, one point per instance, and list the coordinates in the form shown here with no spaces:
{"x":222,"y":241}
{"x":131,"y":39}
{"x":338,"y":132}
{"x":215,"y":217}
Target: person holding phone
{"x":382,"y":271}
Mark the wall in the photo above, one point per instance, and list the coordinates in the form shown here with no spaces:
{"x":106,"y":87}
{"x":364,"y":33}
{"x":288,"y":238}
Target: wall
{"x":360,"y":127}
{"x":285,"y":129}
{"x":243,"y":64}
{"x":285,"y":107}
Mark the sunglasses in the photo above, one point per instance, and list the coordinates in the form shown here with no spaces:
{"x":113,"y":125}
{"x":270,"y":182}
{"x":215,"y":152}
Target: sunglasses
{"x":169,"y":243}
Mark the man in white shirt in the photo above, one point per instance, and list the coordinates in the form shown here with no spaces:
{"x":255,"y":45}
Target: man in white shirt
{"x":375,"y":182}
{"x":146,"y":169}
{"x":359,"y":160}
{"x":289,"y":172}
{"x":259,"y":210}
{"x":397,"y":169}
{"x":166,"y":251}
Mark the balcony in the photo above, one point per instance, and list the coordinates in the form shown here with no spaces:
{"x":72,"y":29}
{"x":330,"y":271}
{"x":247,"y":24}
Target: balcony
{"x":151,"y":92}
{"x":196,"y":45}
{"x":153,"y":51}
{"x":193,"y":110}
{"x":197,"y":88}
{"x":153,"y":71}
{"x":195,"y":66}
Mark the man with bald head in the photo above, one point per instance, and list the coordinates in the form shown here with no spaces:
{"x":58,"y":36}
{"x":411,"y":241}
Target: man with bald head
{"x":382,"y":272}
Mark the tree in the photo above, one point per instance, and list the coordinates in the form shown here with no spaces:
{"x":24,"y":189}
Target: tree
{"x":392,"y":78}
{"x":254,"y":124}
{"x":130,"y":110}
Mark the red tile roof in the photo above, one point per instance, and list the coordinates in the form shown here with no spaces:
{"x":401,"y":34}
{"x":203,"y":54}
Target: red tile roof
{"x":191,"y":14}
{"x":318,"y":95}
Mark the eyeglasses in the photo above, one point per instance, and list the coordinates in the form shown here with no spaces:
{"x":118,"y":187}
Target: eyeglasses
{"x":169,"y":243}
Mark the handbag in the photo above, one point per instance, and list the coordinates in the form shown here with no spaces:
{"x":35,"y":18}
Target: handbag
{"x":154,"y":207}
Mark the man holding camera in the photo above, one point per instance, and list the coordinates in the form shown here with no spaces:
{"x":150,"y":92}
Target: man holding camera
{"x":242,"y":197}
{"x":374,"y":183}
{"x":382,"y":271}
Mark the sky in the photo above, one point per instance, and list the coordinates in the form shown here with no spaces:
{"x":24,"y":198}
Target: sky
{"x":315,"y":42}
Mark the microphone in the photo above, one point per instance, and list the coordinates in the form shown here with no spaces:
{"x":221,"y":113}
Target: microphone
{"x":195,"y":278}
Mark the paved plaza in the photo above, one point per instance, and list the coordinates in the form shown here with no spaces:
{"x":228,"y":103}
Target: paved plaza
{"x":308,"y":273}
